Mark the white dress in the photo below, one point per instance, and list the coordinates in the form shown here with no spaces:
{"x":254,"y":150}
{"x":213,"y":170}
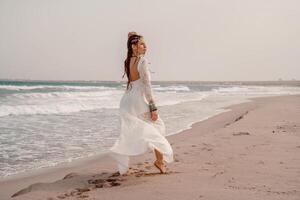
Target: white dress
{"x":138,"y":133}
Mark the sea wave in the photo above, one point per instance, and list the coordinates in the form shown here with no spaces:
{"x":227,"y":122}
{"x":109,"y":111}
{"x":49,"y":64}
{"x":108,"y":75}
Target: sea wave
{"x":46,"y":102}
{"x":63,"y":87}
{"x":70,"y":95}
{"x":58,"y":108}
{"x":173,"y":88}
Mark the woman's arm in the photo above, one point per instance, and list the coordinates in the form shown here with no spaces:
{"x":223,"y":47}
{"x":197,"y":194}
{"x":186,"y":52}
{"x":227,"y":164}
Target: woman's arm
{"x":146,"y":79}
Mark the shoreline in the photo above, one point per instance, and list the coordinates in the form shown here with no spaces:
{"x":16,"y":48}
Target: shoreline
{"x":77,"y":161}
{"x":103,"y":163}
{"x":292,"y":82}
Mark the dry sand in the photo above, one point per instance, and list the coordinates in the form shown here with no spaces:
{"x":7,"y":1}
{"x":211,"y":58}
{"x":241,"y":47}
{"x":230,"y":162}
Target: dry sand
{"x":251,"y":152}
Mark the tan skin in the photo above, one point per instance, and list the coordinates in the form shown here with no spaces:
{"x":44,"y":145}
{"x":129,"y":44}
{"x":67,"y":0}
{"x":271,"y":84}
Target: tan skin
{"x":140,"y":49}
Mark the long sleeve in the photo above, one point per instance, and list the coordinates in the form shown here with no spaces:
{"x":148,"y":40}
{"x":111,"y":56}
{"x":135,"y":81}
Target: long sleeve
{"x":146,"y":80}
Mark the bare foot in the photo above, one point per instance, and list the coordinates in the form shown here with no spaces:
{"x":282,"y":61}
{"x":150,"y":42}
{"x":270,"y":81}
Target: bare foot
{"x":160,"y":165}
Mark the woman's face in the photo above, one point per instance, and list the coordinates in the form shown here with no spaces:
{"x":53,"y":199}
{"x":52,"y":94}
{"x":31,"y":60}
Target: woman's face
{"x":141,"y":47}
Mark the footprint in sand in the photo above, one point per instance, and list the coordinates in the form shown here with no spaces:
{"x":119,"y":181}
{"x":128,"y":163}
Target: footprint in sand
{"x":104,"y":183}
{"x":77,"y":192}
{"x":241,"y":133}
{"x":218,"y":173}
{"x":261,"y":162}
{"x":207,"y":149}
{"x":146,"y":174}
{"x":83,"y":196}
{"x":148,"y":167}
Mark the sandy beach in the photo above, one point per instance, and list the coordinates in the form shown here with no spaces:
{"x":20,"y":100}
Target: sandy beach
{"x":250,"y":152}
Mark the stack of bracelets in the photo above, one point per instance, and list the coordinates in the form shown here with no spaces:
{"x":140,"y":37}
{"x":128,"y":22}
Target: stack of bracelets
{"x":152,"y":107}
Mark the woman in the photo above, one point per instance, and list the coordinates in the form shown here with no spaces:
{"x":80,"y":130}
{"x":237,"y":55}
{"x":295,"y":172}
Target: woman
{"x":141,"y":127}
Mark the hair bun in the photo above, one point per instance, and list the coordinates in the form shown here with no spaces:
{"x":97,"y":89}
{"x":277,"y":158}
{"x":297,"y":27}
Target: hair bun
{"x":131,"y":33}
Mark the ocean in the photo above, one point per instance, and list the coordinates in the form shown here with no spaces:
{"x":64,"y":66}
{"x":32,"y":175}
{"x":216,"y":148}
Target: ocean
{"x":45,"y":123}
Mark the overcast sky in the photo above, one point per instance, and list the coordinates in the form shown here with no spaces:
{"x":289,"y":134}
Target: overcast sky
{"x":205,"y":40}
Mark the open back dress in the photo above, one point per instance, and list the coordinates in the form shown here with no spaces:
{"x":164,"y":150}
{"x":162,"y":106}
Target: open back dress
{"x":138,"y":132}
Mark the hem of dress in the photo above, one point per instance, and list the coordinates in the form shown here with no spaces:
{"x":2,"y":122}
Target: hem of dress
{"x":123,"y":159}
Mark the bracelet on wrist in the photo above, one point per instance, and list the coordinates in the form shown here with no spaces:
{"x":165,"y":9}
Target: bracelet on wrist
{"x":152,"y":107}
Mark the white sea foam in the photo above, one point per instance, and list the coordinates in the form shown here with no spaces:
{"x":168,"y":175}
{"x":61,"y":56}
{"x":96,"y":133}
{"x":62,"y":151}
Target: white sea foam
{"x":68,"y":102}
{"x":56,"y":107}
{"x":172,"y":88}
{"x":167,"y":99}
{"x":71,"y":95}
{"x":62,"y":102}
{"x":35,"y":141}
{"x":63,"y":87}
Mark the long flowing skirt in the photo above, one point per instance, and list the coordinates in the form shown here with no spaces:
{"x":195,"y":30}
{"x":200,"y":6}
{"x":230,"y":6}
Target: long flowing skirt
{"x":138,"y":133}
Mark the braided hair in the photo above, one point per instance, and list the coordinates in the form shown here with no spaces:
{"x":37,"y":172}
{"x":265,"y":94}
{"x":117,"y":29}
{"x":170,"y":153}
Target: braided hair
{"x":133,"y":38}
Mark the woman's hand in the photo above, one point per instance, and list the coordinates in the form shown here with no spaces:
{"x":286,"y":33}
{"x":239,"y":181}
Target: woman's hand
{"x":154,"y":115}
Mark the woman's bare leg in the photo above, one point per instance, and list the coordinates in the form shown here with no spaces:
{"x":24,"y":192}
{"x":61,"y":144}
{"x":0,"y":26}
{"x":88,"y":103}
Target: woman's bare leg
{"x":159,"y":156}
{"x":159,"y":161}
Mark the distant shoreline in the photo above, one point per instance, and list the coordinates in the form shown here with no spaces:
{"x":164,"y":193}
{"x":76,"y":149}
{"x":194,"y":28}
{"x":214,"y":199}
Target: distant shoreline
{"x":260,"y":83}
